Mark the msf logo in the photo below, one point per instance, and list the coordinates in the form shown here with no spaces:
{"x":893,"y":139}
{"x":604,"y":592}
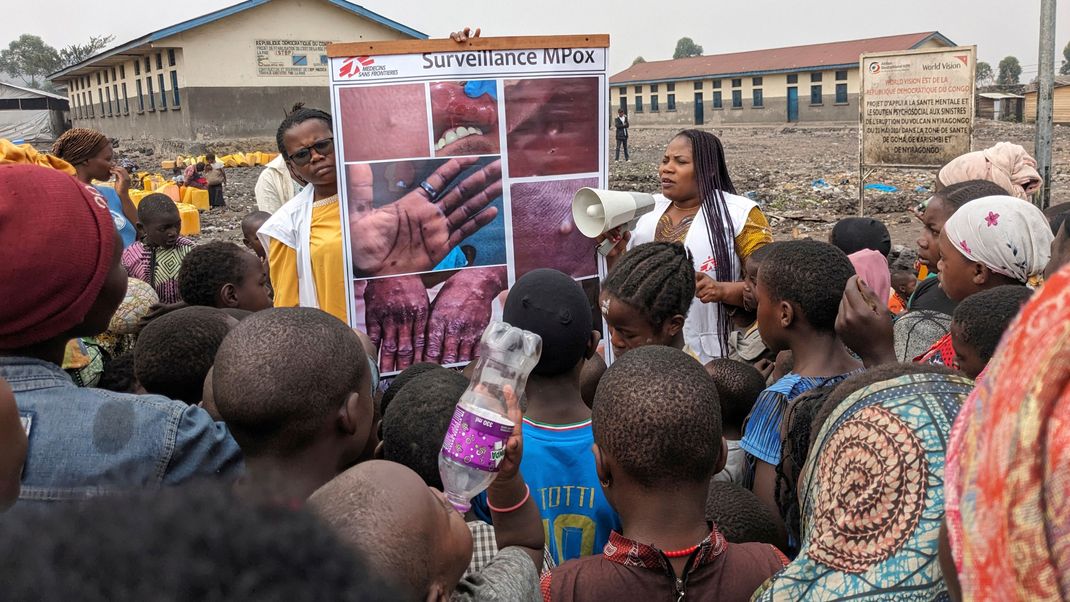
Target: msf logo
{"x":354,"y":65}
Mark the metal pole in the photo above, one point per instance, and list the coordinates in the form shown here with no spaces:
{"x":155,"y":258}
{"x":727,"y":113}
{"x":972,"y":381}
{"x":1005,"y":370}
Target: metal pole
{"x":1045,"y":95}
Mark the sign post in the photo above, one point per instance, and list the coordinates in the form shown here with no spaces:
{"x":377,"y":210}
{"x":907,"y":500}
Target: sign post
{"x":916,"y":109}
{"x":457,"y":164}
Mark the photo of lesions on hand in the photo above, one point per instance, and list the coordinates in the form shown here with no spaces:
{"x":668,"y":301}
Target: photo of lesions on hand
{"x":464,"y":116}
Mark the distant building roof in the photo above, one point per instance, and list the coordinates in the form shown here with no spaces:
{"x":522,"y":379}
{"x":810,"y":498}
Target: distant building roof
{"x":998,"y":95}
{"x":1060,"y":81}
{"x":34,"y":91}
{"x":220,"y":14}
{"x":792,"y":58}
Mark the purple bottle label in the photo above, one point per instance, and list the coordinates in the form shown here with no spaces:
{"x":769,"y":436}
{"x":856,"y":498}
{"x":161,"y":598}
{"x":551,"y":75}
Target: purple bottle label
{"x":476,"y":441}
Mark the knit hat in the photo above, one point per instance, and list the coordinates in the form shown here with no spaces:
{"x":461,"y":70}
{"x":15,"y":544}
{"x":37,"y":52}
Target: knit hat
{"x":553,"y":306}
{"x":58,"y":247}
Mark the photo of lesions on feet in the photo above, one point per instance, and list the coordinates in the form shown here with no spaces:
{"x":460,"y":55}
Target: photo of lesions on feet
{"x":464,"y":116}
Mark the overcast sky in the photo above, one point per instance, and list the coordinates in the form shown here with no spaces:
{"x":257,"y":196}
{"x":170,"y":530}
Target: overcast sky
{"x":636,"y":28}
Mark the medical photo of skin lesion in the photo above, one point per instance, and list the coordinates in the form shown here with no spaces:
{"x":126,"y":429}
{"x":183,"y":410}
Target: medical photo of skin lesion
{"x":552,"y":126}
{"x":384,"y":122}
{"x":433,"y":317}
{"x":544,"y":234}
{"x":425,"y":215}
{"x":464,"y":116}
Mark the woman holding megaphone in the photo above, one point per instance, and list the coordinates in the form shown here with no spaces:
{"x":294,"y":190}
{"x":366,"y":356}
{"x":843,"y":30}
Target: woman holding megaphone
{"x":699,"y":207}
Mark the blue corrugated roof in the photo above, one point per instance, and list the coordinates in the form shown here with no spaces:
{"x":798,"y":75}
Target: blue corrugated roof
{"x":226,"y":12}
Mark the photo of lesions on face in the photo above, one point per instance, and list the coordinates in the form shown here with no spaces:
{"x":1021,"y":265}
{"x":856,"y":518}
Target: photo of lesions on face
{"x":464,"y":117}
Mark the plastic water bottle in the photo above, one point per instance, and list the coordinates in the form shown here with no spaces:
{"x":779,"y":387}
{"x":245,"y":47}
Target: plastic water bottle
{"x":475,"y":441}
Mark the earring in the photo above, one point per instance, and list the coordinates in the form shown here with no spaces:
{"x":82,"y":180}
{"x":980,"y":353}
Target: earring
{"x":604,"y":483}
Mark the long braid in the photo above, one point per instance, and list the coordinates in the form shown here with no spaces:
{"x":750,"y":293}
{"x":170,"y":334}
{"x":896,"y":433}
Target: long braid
{"x":656,"y":278}
{"x":711,"y":174}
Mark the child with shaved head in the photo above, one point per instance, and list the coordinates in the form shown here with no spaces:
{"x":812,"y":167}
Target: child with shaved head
{"x":657,"y":433}
{"x":410,"y":533}
{"x":294,"y":386}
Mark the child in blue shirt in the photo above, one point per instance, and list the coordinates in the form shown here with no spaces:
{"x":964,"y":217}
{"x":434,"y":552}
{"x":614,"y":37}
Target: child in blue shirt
{"x":558,"y":462}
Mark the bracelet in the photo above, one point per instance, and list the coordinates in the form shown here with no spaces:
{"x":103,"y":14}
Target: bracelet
{"x":527,"y":496}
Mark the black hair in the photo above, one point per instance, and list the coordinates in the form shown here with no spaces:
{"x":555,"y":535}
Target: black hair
{"x":209,"y":157}
{"x":552,"y":305}
{"x":711,"y":175}
{"x":757,"y":256}
{"x":590,"y":375}
{"x":118,"y":374}
{"x":853,"y":234}
{"x":957,"y":195}
{"x":739,"y":515}
{"x":738,"y":387}
{"x":299,"y":114}
{"x":983,"y":317}
{"x":199,"y":167}
{"x":811,"y":275}
{"x":207,"y":268}
{"x":400,"y":381}
{"x":1057,"y":216}
{"x":254,"y":217}
{"x":417,"y":420}
{"x":155,"y":206}
{"x":175,"y":351}
{"x":798,"y":418}
{"x":274,"y":384}
{"x":656,"y":278}
{"x":192,"y":543}
{"x":656,"y":413}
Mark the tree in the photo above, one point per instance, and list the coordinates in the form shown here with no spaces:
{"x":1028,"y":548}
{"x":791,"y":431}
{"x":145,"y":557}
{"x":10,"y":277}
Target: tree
{"x":29,"y":59}
{"x":1065,"y":68}
{"x":76,"y":53}
{"x":984,"y":73}
{"x":638,"y":60}
{"x":1009,"y":71}
{"x":686,"y":47}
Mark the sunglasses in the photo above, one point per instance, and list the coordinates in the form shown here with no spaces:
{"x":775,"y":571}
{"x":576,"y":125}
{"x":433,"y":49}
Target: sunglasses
{"x":303,"y":155}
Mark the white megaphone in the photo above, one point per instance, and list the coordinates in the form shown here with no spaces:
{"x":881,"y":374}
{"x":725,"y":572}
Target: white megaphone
{"x":599,"y":211}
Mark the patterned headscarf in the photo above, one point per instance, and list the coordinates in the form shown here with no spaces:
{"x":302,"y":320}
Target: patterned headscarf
{"x":872,"y":495}
{"x":1008,"y":235}
{"x":1013,"y":479}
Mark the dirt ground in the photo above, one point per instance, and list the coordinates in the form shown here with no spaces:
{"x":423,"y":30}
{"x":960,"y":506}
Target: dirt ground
{"x":776,"y":166}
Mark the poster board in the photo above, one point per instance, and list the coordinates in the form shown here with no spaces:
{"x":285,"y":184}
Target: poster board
{"x":458,"y":163}
{"x":300,"y":58}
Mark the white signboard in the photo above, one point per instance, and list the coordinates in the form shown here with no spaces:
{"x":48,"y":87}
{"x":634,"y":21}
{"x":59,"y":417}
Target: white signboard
{"x":276,"y":58}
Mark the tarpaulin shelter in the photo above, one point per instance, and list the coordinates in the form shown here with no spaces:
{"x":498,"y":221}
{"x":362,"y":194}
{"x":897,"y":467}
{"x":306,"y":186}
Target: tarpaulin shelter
{"x":30,"y":115}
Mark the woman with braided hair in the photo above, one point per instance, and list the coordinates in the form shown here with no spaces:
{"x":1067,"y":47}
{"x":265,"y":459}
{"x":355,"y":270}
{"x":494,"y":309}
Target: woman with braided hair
{"x":91,"y":154}
{"x":699,"y":208}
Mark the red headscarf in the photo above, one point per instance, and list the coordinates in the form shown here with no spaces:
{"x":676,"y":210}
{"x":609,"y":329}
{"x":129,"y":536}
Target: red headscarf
{"x":57,"y":245}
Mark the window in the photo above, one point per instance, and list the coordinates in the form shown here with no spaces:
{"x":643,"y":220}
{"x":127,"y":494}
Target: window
{"x":159,"y":60}
{"x":793,"y":78}
{"x":108,"y":92}
{"x":163,"y":94}
{"x":815,"y":77}
{"x":653,"y":88}
{"x":716,"y":83}
{"x":841,"y":76}
{"x":670,"y":87}
{"x":100,"y":101}
{"x":115,"y":92}
{"x":98,"y":78}
{"x":737,"y":82}
{"x":174,"y":89}
{"x":126,"y":101}
{"x":113,"y":78}
{"x":638,"y":104}
{"x":122,"y":71}
{"x":841,"y":94}
{"x":672,"y":102}
{"x":7,"y":104}
{"x":140,"y":98}
{"x":105,"y":76}
{"x":624,"y":104}
{"x":756,"y":81}
{"x":756,"y":98}
{"x":638,"y":89}
{"x":654,"y":103}
{"x":622,"y":90}
{"x":815,"y":95}
{"x":737,"y":99}
{"x":148,"y":64}
{"x":152,"y":95}
{"x":137,"y":67}
{"x":92,"y":107}
{"x":171,"y":57}
{"x":698,"y":85}
{"x":717,"y":100}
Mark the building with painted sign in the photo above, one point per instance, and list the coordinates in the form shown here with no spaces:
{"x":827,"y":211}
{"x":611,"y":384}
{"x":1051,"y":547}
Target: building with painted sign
{"x":228,"y":74}
{"x":812,"y":83}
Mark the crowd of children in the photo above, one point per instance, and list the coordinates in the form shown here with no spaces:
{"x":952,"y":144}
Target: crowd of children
{"x":867,"y":434}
